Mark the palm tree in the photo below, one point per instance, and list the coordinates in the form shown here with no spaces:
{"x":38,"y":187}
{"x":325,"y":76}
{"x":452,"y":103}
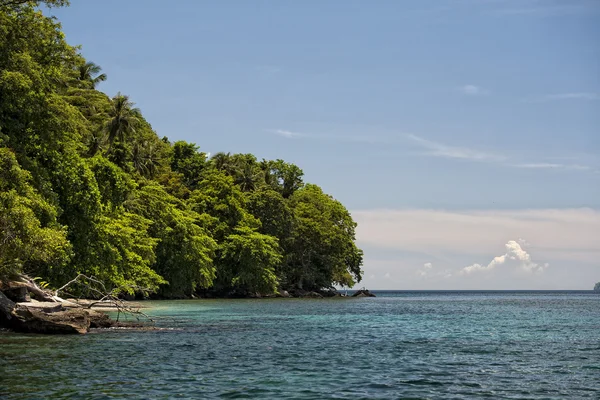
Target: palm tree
{"x":95,"y":142}
{"x":146,"y":158}
{"x":248,"y":177}
{"x":90,"y":72}
{"x":221,"y":160}
{"x":124,"y":118}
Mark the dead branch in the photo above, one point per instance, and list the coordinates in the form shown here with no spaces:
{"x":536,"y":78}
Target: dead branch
{"x":31,"y":286}
{"x":111,"y":297}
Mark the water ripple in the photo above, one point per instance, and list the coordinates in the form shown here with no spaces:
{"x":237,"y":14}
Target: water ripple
{"x":419,"y":346}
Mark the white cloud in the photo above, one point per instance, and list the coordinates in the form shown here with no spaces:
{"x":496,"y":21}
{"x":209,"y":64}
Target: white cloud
{"x":437,"y":149}
{"x":424,"y":270}
{"x":558,"y":234}
{"x":427,"y":271}
{"x":444,"y":242}
{"x":442,"y":150}
{"x":434,"y":149}
{"x":472,"y":90}
{"x":515,"y":255}
{"x":575,"y":167}
{"x":586,"y":96}
{"x":335,"y":138}
{"x":285,"y":133}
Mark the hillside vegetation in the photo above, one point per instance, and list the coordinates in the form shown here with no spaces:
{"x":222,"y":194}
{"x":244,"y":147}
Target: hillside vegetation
{"x":87,"y":186}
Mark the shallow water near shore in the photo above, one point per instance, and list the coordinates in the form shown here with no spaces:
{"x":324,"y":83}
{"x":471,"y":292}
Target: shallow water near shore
{"x":421,"y":345}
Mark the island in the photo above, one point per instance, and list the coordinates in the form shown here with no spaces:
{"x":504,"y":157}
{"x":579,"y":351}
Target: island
{"x":88,"y":187}
{"x":597,"y":287}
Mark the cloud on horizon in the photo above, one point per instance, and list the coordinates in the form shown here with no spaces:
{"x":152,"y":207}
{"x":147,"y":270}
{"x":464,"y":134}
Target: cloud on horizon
{"x":514,"y":255}
{"x":563,"y":234}
{"x":429,"y":249}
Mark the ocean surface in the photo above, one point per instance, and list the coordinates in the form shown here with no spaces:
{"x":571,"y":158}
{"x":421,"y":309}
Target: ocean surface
{"x":399,"y":345}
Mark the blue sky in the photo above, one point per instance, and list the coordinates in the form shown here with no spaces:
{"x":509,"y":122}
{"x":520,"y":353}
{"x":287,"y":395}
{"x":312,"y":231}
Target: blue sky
{"x":471,"y":108}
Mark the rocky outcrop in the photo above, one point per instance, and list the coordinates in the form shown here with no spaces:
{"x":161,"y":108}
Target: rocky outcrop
{"x":32,"y":319}
{"x":61,"y":322}
{"x":363,"y":293}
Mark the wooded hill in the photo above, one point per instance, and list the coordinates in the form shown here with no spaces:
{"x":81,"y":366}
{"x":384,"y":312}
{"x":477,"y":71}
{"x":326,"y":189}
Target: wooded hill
{"x":87,"y":186}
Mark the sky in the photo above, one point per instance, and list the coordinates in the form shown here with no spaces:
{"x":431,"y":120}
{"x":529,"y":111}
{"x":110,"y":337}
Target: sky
{"x":463,"y":135}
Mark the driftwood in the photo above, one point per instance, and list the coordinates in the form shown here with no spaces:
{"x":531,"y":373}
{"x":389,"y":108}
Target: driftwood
{"x":55,"y":315}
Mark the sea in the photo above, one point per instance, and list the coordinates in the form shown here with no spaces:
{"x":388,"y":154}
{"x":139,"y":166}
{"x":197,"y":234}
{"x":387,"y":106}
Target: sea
{"x":398,"y":345}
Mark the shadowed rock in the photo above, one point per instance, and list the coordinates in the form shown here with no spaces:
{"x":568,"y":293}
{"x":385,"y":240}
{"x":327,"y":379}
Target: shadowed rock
{"x":363,"y":293}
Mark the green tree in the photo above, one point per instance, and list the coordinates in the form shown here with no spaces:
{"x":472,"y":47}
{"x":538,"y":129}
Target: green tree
{"x":248,"y":260}
{"x":281,"y":176}
{"x":30,"y":237}
{"x":124,"y":118}
{"x":322,"y":249}
{"x":89,"y":73}
{"x":185,"y":250}
{"x":219,"y":197}
{"x":187,"y":160}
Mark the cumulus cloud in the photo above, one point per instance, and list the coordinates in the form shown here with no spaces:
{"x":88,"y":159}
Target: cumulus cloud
{"x":427,"y":270}
{"x":424,"y":270}
{"x":514,"y":255}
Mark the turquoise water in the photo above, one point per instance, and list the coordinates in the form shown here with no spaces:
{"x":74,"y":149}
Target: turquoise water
{"x":417,"y":345}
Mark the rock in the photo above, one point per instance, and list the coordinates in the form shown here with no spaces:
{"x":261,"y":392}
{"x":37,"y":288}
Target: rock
{"x":363,"y":293}
{"x":20,"y":318}
{"x":16,"y":291}
{"x":61,"y":322}
{"x":7,"y":306}
{"x":100,"y":320}
{"x":332,"y":292}
{"x":284,"y":293}
{"x":43,"y":306}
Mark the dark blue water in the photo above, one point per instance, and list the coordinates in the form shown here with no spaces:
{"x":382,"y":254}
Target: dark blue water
{"x":418,"y":345}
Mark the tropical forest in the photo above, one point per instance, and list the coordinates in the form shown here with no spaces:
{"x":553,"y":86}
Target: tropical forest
{"x":87,"y":186}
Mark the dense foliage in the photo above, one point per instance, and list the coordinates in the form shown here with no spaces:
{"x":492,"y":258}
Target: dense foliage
{"x":87,"y":186}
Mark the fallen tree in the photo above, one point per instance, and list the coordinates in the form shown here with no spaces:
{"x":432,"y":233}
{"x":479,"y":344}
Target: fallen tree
{"x":52,"y":314}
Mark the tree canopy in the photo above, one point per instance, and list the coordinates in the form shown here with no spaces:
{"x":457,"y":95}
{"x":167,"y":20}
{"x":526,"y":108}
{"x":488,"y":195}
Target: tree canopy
{"x":87,"y":186}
